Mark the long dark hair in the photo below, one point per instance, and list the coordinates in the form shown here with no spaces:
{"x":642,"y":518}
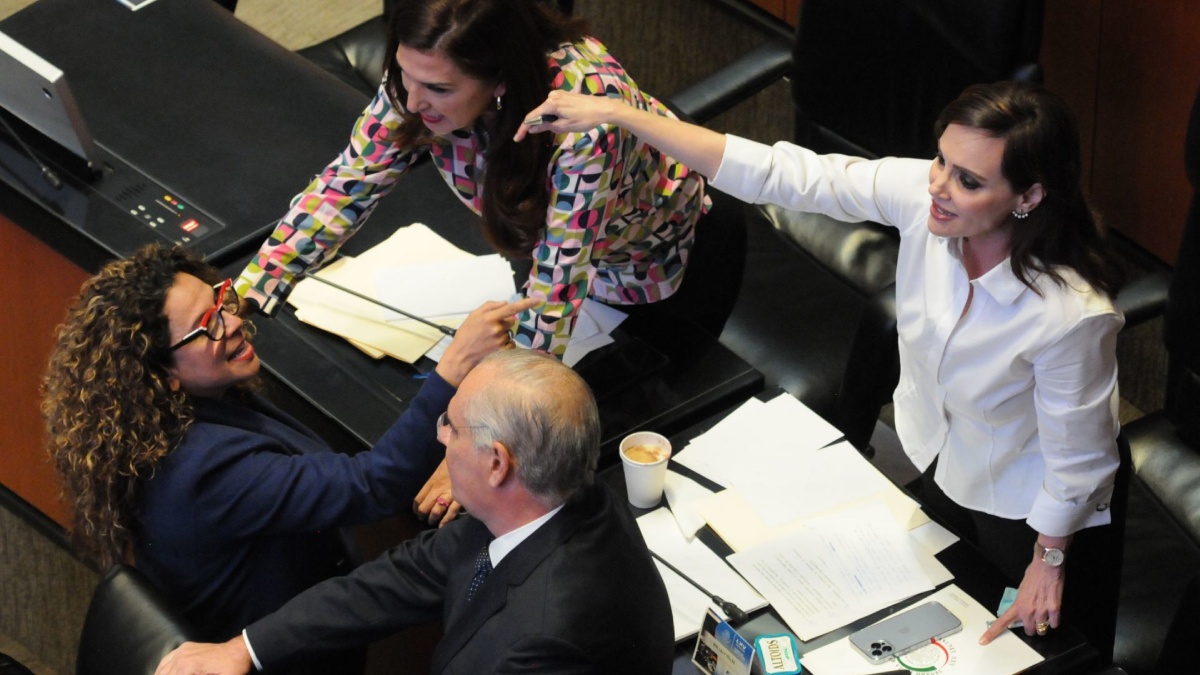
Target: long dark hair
{"x":1041,"y":145}
{"x":492,"y":41}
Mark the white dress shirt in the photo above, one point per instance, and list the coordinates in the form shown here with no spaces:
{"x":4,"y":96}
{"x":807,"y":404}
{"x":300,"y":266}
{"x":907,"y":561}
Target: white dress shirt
{"x":505,"y":543}
{"x":1018,"y":396}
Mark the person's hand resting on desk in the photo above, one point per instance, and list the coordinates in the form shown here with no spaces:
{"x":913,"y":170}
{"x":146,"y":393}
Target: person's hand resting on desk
{"x":192,"y":658}
{"x":485,"y":330}
{"x":1039,"y":598}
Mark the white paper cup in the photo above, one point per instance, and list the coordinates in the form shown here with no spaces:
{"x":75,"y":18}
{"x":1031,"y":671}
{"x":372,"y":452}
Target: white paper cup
{"x":646,"y":470}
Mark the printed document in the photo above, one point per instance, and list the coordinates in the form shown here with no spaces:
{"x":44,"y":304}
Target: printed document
{"x":835,"y":569}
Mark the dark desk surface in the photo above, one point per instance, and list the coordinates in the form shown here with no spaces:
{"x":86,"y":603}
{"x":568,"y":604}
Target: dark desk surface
{"x":655,"y":376}
{"x":1065,"y":650}
{"x":194,"y":99}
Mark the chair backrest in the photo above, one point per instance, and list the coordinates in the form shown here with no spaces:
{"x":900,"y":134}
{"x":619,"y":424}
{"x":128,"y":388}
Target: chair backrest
{"x":10,"y":666}
{"x":1178,"y":652}
{"x":129,"y":627}
{"x":1182,"y":328}
{"x":871,"y":76}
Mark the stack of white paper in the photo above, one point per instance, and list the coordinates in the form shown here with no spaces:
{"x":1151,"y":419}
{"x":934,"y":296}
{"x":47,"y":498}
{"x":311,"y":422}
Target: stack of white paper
{"x":418,"y":271}
{"x":819,"y":531}
{"x":835,"y":569}
{"x":365,"y":324}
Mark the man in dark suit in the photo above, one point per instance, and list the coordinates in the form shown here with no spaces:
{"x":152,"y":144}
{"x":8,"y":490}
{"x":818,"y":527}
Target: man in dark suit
{"x":549,"y":574}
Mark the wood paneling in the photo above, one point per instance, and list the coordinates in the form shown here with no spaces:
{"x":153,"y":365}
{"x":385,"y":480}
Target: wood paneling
{"x":1130,"y":69}
{"x":787,"y":10}
{"x":792,"y":11}
{"x":38,"y":284}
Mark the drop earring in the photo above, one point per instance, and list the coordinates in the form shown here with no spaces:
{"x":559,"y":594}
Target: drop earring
{"x":499,"y":104}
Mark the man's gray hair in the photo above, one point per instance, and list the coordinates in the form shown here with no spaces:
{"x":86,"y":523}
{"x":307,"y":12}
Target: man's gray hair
{"x":546,"y":416}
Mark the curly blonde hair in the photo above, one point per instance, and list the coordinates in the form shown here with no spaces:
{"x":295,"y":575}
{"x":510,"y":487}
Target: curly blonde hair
{"x":111,"y":414}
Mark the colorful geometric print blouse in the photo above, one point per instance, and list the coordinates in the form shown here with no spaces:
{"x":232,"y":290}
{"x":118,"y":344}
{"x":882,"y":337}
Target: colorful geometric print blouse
{"x":619,"y":225}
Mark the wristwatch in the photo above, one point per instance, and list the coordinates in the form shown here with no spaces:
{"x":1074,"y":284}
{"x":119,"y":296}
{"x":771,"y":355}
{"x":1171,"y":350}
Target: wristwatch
{"x":1053,"y":557}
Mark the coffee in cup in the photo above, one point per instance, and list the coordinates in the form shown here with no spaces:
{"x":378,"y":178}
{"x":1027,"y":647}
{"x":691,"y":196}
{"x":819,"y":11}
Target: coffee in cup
{"x":644,"y":455}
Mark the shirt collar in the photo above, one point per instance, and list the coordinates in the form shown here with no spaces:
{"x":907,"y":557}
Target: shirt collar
{"x":999,"y":282}
{"x":505,"y":543}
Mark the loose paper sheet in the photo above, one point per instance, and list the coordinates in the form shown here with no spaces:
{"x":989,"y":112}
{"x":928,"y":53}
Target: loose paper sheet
{"x":835,"y":569}
{"x":733,"y":517}
{"x":444,"y":288}
{"x":363,"y":323}
{"x":958,"y":654}
{"x":697,"y":561}
{"x":418,"y":271}
{"x":359,"y":321}
{"x":756,"y":431}
{"x":684,"y":496}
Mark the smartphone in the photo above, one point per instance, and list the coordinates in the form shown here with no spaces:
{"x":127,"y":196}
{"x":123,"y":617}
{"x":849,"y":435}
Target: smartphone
{"x":905,"y":632}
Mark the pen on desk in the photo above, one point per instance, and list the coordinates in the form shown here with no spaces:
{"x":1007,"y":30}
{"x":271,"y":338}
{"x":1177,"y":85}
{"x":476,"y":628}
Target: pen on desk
{"x":540,"y":119}
{"x":445,"y":329}
{"x":735,"y":613}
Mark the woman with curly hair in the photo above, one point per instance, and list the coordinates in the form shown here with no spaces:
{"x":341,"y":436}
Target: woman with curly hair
{"x":172,"y":460}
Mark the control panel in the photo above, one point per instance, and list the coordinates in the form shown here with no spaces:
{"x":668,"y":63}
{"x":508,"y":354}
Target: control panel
{"x":154,"y":206}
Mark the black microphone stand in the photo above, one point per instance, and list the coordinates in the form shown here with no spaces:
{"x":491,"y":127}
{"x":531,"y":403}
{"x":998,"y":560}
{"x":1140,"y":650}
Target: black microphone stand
{"x":444,"y":329}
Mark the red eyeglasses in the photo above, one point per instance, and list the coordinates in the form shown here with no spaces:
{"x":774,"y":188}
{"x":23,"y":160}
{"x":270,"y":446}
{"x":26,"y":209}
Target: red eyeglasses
{"x":212,"y":324}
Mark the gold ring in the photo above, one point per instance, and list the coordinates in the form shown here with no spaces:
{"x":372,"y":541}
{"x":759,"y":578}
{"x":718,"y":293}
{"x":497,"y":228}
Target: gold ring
{"x":1042,"y":627}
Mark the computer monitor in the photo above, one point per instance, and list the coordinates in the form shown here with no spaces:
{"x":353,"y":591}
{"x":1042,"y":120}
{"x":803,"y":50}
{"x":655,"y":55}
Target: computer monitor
{"x":36,"y":92}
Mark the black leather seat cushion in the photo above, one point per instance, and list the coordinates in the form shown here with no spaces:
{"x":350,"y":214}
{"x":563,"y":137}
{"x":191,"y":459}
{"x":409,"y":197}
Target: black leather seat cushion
{"x":355,"y":57}
{"x":10,"y":666}
{"x":129,"y":627}
{"x":808,"y":280}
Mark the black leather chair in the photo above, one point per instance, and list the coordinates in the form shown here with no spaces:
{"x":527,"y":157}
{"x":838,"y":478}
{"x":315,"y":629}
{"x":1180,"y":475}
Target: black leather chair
{"x":1160,"y":594}
{"x":356,"y":56}
{"x":129,"y":627}
{"x":10,"y":666}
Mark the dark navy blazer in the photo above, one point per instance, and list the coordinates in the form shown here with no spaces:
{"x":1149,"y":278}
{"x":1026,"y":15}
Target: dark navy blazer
{"x":245,"y":512}
{"x":581,"y":595}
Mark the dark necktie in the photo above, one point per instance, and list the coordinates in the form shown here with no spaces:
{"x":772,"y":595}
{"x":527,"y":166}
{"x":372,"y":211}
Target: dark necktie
{"x":483,"y":567}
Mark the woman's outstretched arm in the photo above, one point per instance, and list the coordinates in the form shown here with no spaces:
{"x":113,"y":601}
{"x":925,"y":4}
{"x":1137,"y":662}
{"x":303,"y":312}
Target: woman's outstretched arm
{"x":697,"y":147}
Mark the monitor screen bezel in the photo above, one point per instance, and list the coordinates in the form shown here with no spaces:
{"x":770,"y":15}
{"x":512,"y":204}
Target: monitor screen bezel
{"x":36,"y":92}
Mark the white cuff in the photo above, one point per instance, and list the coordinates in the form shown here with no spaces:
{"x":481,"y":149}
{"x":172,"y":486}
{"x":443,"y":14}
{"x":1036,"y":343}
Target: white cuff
{"x":744,"y":167}
{"x":249,"y":648}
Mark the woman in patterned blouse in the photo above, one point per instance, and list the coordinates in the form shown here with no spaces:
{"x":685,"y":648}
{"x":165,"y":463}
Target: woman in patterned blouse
{"x":599,"y":213}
